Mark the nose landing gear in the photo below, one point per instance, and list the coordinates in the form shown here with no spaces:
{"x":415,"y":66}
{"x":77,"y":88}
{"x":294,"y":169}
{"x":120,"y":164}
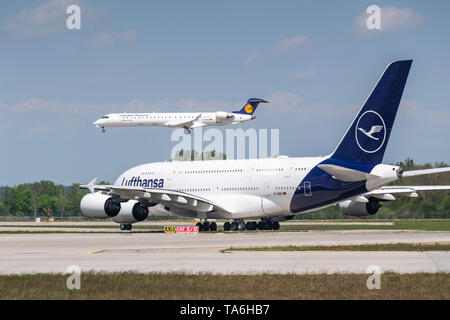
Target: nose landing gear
{"x":124,"y":227}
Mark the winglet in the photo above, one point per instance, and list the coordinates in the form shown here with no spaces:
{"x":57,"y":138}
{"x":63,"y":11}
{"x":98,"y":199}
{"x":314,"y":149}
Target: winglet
{"x":90,"y":185}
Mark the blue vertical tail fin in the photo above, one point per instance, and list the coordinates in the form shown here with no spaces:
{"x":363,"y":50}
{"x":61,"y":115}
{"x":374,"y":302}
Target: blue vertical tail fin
{"x":250,"y":106}
{"x":366,"y":139}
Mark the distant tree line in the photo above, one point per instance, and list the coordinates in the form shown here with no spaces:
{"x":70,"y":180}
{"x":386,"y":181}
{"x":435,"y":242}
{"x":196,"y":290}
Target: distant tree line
{"x":40,"y":199}
{"x":47,"y":199}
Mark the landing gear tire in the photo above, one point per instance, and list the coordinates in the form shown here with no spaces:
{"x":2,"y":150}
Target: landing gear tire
{"x":234,"y":226}
{"x":275,"y":225}
{"x":241,"y":226}
{"x":200,"y":227}
{"x":213,"y":226}
{"x":206,"y":226}
{"x":252,"y":225}
{"x":124,"y":227}
{"x":227,"y":226}
{"x":261,"y":225}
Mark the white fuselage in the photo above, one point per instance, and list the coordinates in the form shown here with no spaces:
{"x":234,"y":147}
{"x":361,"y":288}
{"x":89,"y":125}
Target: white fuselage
{"x":189,"y":120}
{"x":248,"y":188}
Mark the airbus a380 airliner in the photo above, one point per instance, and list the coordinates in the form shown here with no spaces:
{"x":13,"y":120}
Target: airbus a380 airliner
{"x":274,"y":189}
{"x":185,"y":120}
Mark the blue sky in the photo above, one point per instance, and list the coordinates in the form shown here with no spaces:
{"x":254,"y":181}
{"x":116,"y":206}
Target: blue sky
{"x":314,"y":61}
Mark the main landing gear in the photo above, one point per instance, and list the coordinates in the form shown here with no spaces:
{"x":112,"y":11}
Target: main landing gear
{"x":124,"y":227}
{"x":251,"y":225}
{"x":206,"y":226}
{"x":186,"y":130}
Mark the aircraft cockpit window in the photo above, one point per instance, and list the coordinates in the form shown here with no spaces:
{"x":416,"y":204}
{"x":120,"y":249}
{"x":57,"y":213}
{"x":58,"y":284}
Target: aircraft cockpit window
{"x":105,"y":117}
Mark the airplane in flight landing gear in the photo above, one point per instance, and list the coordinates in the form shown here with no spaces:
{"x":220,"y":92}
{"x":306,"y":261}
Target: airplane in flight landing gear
{"x":274,"y":189}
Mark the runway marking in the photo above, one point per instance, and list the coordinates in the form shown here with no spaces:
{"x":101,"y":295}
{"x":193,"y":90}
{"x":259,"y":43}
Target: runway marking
{"x":92,"y":252}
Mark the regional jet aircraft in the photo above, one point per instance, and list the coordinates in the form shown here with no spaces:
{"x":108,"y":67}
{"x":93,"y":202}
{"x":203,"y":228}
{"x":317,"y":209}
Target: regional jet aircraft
{"x":187,"y":121}
{"x":270,"y":190}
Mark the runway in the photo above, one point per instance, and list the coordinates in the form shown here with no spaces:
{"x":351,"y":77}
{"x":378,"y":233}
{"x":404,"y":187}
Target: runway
{"x":112,"y":227}
{"x":159,"y":252}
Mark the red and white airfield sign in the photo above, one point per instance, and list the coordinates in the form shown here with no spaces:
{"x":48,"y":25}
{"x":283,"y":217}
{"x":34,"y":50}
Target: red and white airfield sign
{"x":186,"y":229}
{"x":181,"y":229}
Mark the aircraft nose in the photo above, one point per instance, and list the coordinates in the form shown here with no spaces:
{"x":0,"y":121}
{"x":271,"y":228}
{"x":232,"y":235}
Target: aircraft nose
{"x":97,"y":123}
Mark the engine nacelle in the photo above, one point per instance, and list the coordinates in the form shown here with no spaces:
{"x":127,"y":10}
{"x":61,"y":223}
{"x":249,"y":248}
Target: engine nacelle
{"x":131,"y":211}
{"x":222,"y":115}
{"x":359,"y":209}
{"x":99,"y":205}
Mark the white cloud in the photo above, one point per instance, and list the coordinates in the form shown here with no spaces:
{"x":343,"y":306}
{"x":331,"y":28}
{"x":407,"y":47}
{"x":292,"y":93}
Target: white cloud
{"x":135,"y":105}
{"x":392,"y":19}
{"x":36,"y":104}
{"x":285,"y":101}
{"x":108,"y":39}
{"x":254,"y":57}
{"x":48,"y":18}
{"x":290,"y":43}
{"x":302,"y":74}
{"x":417,"y":111}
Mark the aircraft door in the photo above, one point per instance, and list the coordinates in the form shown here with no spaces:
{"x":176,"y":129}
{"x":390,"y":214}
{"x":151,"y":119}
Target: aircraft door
{"x":267,"y":189}
{"x":307,"y":189}
{"x":289,"y":170}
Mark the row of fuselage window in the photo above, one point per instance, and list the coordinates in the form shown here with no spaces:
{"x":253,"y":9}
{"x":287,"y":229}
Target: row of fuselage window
{"x":233,"y":189}
{"x":224,"y":171}
{"x":161,"y":117}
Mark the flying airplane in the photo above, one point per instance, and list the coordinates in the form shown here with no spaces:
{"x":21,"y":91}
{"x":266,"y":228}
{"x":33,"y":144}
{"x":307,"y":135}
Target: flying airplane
{"x":270,"y":190}
{"x":185,"y":120}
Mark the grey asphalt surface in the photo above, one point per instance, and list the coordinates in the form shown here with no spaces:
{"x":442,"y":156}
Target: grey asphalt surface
{"x":195,"y":253}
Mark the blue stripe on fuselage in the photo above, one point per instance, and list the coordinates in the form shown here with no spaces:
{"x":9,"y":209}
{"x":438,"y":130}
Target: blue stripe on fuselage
{"x":324,"y":189}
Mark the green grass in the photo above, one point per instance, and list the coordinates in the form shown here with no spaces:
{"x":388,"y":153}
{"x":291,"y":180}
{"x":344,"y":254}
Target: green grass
{"x":236,"y":287}
{"x":362,"y":247}
{"x":424,"y":225}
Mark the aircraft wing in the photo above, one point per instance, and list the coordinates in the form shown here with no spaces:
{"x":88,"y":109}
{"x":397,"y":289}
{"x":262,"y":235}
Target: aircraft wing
{"x":386,"y":192}
{"x":198,"y":125}
{"x":182,"y":124}
{"x":168,"y":198}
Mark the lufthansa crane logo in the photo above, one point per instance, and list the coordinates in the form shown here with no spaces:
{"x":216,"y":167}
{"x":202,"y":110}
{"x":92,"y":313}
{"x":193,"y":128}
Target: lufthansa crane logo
{"x":248,"y":108}
{"x":370,"y":132}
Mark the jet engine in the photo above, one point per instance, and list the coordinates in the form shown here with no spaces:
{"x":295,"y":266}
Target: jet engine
{"x":99,"y":205}
{"x":360,"y":209}
{"x":131,"y":211}
{"x":222,"y":115}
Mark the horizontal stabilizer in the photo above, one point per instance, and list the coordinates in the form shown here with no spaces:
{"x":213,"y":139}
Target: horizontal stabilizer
{"x":344,"y":174}
{"x":424,"y":171}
